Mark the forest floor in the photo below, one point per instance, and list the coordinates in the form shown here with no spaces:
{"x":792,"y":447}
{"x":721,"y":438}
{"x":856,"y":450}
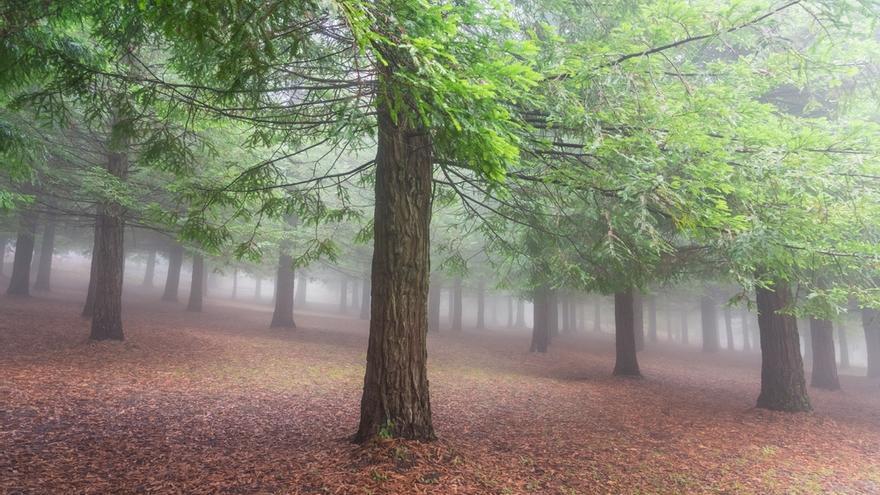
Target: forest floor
{"x":217,"y":403}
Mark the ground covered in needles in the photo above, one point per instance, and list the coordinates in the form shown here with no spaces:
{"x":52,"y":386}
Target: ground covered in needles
{"x":218,"y":403}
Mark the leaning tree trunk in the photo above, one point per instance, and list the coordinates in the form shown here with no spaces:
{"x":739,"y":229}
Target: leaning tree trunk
{"x":19,"y":283}
{"x":844,"y":346}
{"x":481,"y":306}
{"x":728,"y":328}
{"x":47,"y":248}
{"x":455,"y":307}
{"x":434,"y":307}
{"x":540,"y":327}
{"x":395,"y":400}
{"x":365,"y":301}
{"x":626,"y":362}
{"x":709,"y":320}
{"x":871,"y":325}
{"x":282,"y":317}
{"x":110,"y":258}
{"x":824,"y":364}
{"x":150,"y":271}
{"x":172,"y":281}
{"x":652,"y":319}
{"x":783,"y":387}
{"x":197,"y":286}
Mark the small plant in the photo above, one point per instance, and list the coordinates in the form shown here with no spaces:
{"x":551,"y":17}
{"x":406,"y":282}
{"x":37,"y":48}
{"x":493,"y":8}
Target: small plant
{"x":387,"y":430}
{"x":378,"y":477}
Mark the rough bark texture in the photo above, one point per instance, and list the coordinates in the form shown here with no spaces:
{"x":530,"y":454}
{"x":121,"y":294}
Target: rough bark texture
{"x":365,"y":300}
{"x":434,"y":307}
{"x":844,"y":346}
{"x":871,"y":326}
{"x":20,"y":281}
{"x":47,"y":249}
{"x":455,"y":306}
{"x":172,"y":281}
{"x":110,"y":257}
{"x":395,"y":400}
{"x":540,"y":327}
{"x":709,"y":321}
{"x":783,"y":387}
{"x":652,"y":319}
{"x":626,"y":362}
{"x":150,"y":270}
{"x":481,"y":305}
{"x":197,"y":286}
{"x":824,"y":362}
{"x":282,"y":317}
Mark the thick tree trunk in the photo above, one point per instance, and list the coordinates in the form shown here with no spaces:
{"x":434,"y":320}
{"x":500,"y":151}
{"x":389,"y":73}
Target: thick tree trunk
{"x":728,"y":328}
{"x":434,"y":307}
{"x":343,"y":295}
{"x":396,"y":401}
{"x":172,"y":281}
{"x":20,"y":281}
{"x":365,"y":302}
{"x":150,"y":271}
{"x":744,"y":328}
{"x":540,"y":327}
{"x":481,"y":306}
{"x":824,"y":360}
{"x":652,"y":319}
{"x":197,"y":285}
{"x":110,"y":257}
{"x":455,"y":306}
{"x":709,"y":321}
{"x":282,"y":317}
{"x":520,"y":313}
{"x":844,"y":346}
{"x":626,"y":362}
{"x":871,"y":326}
{"x":47,"y":249}
{"x":783,"y":387}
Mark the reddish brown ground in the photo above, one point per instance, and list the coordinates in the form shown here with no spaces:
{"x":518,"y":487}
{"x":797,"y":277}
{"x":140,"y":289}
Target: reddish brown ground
{"x":217,"y":403}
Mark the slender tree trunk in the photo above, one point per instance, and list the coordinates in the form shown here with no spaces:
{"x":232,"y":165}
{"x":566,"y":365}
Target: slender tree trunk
{"x":540,"y":326}
{"x":365,"y":302}
{"x":509,"y":311}
{"x":685,"y":332}
{"x":206,"y":278}
{"x":520,"y":313}
{"x":744,"y":328}
{"x":434,"y":307}
{"x":566,"y":322}
{"x":728,"y":328}
{"x":844,"y":346}
{"x":597,"y":316}
{"x":709,"y":320}
{"x":258,"y":288}
{"x":481,"y":306}
{"x":343,"y":295}
{"x":110,"y":257}
{"x":150,"y":272}
{"x":783,"y":387}
{"x":626,"y":362}
{"x":824,"y":361}
{"x":235,"y":282}
{"x":3,"y":242}
{"x":652,"y":319}
{"x":89,"y":306}
{"x":455,"y":307}
{"x":197,"y":285}
{"x":871,"y":326}
{"x":47,"y":249}
{"x":302,"y":289}
{"x":638,"y":321}
{"x":172,"y":281}
{"x":396,"y":400}
{"x":553,"y":312}
{"x":20,"y":282}
{"x":667,"y":307}
{"x":282,"y":317}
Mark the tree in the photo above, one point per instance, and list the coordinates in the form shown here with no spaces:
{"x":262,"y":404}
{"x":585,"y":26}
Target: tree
{"x":709,"y":319}
{"x":47,"y":248}
{"x":19,"y":281}
{"x":172,"y":280}
{"x":824,"y":364}
{"x":197,"y":284}
{"x":625,"y":321}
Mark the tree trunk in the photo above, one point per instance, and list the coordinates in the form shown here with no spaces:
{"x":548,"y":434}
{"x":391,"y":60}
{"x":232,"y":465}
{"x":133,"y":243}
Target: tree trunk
{"x":89,"y":306}
{"x":652,"y":319}
{"x":520,"y":313}
{"x":258,"y":288}
{"x":509,"y":311}
{"x":302,"y":289}
{"x":47,"y":248}
{"x":626,"y":362}
{"x":481,"y":306}
{"x":685,"y":332}
{"x":396,"y":401}
{"x":728,"y":328}
{"x":150,"y":272}
{"x":540,"y":327}
{"x":744,"y":328}
{"x":20,"y":282}
{"x":566,"y":322}
{"x":110,"y":258}
{"x":235,"y":282}
{"x":434,"y":307}
{"x":455,"y":307}
{"x":365,"y":302}
{"x":553,"y":312}
{"x":709,"y":321}
{"x":844,"y":346}
{"x":824,"y":361}
{"x":172,"y":281}
{"x":282,"y":317}
{"x":783,"y":387}
{"x":597,"y":317}
{"x":343,"y":295}
{"x":3,"y":242}
{"x":871,"y":326}
{"x":197,"y":286}
{"x":638,"y":321}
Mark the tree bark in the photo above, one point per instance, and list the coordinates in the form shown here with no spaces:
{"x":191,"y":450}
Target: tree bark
{"x":728,"y":328}
{"x":871,"y":326}
{"x":553,"y":312}
{"x":197,"y":285}
{"x":434,"y":307}
{"x":110,"y":258}
{"x":302,"y":289}
{"x":3,"y":242}
{"x":365,"y":301}
{"x":520,"y":313}
{"x":235,"y":282}
{"x":343,"y":295}
{"x":783,"y":387}
{"x":282,"y":317}
{"x":844,"y":346}
{"x":47,"y":249}
{"x":824,"y":361}
{"x":396,"y":400}
{"x":626,"y":362}
{"x":540,"y":326}
{"x":652,"y":319}
{"x":685,"y":332}
{"x":638,"y":321}
{"x":481,"y":306}
{"x":172,"y":281}
{"x":597,"y":316}
{"x":20,"y":281}
{"x":744,"y":328}
{"x":455,"y":307}
{"x":709,"y":321}
{"x":150,"y":271}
